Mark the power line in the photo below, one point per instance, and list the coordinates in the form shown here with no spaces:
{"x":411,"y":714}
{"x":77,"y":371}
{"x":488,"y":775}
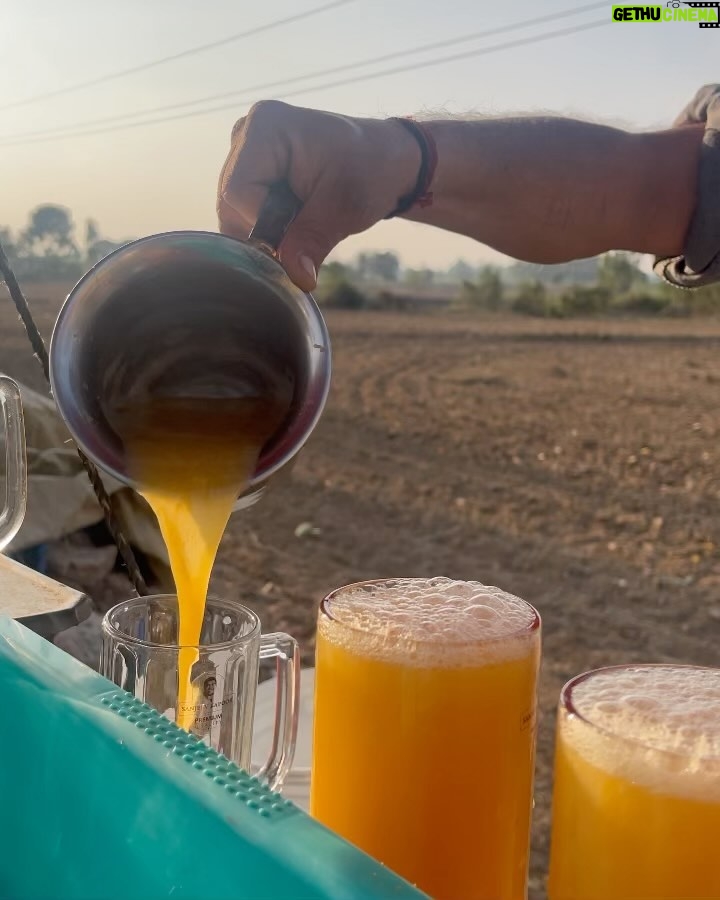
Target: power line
{"x":481,"y":51}
{"x":182,"y":54}
{"x":335,"y":70}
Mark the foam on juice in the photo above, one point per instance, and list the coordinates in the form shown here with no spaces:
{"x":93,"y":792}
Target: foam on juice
{"x":429,"y":622}
{"x":656,"y":725}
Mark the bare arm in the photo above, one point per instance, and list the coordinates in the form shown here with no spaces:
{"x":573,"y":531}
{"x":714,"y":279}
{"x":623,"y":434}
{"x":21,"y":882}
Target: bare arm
{"x":539,"y":189}
{"x":552,"y":189}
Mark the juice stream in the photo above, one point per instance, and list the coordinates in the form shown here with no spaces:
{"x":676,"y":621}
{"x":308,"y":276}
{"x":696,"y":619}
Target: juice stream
{"x":191,"y":458}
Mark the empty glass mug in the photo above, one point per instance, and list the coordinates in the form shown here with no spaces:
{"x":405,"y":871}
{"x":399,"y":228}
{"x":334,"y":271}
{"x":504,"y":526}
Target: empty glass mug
{"x":140,"y":655}
{"x":13,"y":511}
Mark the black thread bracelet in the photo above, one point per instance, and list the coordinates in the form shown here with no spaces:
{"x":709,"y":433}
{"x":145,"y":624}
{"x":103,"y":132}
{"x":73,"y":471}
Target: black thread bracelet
{"x":420,"y":194}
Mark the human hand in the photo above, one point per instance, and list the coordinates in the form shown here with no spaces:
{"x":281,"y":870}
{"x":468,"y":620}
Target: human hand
{"x":347,"y":172}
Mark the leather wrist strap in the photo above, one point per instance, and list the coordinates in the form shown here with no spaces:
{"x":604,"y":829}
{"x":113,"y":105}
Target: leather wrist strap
{"x":421,"y":193}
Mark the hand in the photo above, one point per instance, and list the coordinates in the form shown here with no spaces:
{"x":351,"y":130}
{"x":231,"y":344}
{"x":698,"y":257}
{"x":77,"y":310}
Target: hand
{"x":704,"y":107}
{"x":347,"y":172}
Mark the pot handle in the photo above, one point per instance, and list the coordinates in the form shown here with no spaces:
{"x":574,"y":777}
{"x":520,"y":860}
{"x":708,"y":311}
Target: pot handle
{"x":275,"y":217}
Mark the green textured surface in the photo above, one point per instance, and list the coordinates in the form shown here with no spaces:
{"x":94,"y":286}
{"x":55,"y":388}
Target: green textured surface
{"x":104,"y":798}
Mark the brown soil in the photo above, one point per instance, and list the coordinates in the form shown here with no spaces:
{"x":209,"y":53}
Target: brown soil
{"x":574,"y":464}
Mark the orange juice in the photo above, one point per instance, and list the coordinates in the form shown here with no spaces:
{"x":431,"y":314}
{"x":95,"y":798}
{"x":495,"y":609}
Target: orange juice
{"x":425,"y":731}
{"x":636,"y":811}
{"x":191,"y":458}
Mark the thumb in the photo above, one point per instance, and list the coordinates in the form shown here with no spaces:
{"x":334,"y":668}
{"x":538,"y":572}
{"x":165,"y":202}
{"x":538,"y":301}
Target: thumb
{"x":316,"y":230}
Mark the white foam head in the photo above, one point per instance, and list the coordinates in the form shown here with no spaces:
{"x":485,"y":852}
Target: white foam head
{"x":429,"y":621}
{"x":657,"y":725}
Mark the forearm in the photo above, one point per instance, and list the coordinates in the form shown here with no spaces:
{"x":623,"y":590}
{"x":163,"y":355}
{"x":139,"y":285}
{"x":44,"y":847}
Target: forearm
{"x":552,"y":189}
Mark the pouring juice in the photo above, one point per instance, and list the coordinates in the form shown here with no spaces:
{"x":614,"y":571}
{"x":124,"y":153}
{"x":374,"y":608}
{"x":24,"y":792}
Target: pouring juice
{"x":191,"y":458}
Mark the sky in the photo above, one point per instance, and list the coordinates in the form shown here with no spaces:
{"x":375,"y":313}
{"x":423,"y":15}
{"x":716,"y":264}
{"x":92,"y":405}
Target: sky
{"x":161,"y":177}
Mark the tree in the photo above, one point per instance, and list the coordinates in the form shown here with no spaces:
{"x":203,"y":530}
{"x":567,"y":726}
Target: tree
{"x":584,"y":300}
{"x":419,"y":278}
{"x":460,"y":272}
{"x":92,"y":232}
{"x":50,"y":232}
{"x":8,"y":241}
{"x":489,"y":288}
{"x":100,"y":249}
{"x":531,"y":299}
{"x":344,"y":295}
{"x":378,"y":266}
{"x":486,"y":292}
{"x":618,"y":273}
{"x":335,"y":287}
{"x":387,"y":266}
{"x":330,"y":275}
{"x":46,"y":249}
{"x":334,"y":271}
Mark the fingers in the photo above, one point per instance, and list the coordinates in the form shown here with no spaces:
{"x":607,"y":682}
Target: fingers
{"x":346,"y":172}
{"x":231,"y":222}
{"x":328,"y":217}
{"x":258,"y":157}
{"x":697,"y":109}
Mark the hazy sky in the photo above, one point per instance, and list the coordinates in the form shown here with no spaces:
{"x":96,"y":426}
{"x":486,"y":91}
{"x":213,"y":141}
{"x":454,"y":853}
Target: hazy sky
{"x":163,"y":176}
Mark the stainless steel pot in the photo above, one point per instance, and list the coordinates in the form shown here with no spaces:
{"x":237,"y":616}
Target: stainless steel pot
{"x":196,"y":308}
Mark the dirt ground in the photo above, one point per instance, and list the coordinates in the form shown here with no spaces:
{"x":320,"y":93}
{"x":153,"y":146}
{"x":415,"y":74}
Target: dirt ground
{"x":575,"y":464}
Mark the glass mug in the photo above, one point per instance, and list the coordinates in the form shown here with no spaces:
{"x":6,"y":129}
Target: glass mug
{"x":424,"y":733}
{"x":636,"y":804}
{"x":13,"y":512}
{"x":139,"y":654}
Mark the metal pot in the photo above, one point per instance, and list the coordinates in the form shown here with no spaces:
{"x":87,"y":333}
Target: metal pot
{"x":198,"y":307}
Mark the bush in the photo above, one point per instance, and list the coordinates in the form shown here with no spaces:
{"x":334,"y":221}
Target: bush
{"x":388,"y":301}
{"x":47,"y":269}
{"x":582,"y":300}
{"x":486,"y":293}
{"x":531,"y":300}
{"x":343,"y":295}
{"x":703,"y":301}
{"x":642,"y":303}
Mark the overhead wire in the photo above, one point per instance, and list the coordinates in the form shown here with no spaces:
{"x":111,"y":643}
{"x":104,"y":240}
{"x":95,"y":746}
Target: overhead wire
{"x":182,"y":54}
{"x":481,"y":51}
{"x":320,"y":73}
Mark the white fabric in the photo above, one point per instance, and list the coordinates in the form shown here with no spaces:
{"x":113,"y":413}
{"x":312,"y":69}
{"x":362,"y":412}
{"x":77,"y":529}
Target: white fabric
{"x":61,"y":500}
{"x":25,"y":593}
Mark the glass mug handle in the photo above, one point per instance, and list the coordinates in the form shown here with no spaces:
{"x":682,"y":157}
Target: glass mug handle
{"x":286,"y":653}
{"x":13,"y":513}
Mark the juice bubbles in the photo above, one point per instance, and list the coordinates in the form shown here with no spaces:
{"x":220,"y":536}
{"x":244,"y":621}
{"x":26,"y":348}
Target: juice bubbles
{"x":425,"y":731}
{"x":636,"y":810}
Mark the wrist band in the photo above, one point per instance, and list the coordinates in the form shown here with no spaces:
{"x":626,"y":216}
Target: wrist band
{"x":421,"y":194}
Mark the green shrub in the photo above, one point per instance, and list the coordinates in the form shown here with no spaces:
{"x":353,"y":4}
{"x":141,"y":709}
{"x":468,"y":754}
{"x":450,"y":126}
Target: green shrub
{"x":531,"y":300}
{"x":343,"y":295}
{"x":642,"y":303}
{"x":485,"y":293}
{"x":584,"y":300}
{"x":703,"y":301}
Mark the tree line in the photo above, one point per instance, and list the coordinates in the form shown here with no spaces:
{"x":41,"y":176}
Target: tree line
{"x":611,"y":284}
{"x":49,"y":247}
{"x":52,"y":247}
